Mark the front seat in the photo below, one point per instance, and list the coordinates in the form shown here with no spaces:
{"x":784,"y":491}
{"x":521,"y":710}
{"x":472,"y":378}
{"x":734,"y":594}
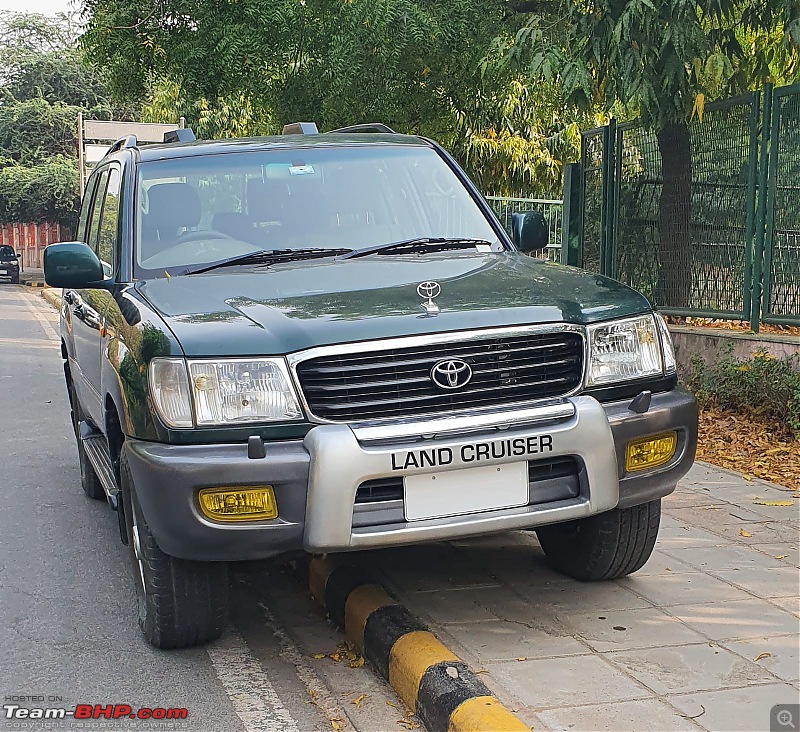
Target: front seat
{"x":173,"y":208}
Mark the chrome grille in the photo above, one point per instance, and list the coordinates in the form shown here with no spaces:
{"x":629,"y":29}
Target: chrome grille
{"x":365,"y":385}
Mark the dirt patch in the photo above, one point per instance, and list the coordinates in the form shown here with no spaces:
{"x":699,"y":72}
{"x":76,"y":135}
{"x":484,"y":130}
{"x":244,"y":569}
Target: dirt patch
{"x":750,"y":445}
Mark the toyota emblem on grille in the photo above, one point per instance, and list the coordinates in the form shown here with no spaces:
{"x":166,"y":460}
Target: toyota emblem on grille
{"x":429,"y":290}
{"x":451,"y":374}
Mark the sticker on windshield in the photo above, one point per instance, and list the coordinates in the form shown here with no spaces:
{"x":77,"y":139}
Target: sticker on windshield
{"x":484,"y":247}
{"x":301,"y":170}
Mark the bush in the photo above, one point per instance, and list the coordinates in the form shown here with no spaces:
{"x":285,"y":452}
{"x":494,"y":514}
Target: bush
{"x":764,"y":386}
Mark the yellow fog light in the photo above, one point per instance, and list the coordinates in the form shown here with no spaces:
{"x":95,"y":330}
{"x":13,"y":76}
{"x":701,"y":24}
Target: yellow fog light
{"x":650,"y":452}
{"x":238,"y":504}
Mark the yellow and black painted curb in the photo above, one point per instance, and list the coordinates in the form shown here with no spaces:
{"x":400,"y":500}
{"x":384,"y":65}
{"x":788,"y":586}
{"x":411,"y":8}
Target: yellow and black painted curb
{"x":34,"y":283}
{"x":441,"y":689}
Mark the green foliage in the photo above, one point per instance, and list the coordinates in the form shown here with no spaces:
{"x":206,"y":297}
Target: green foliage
{"x":35,"y":129}
{"x":44,"y":84}
{"x":46,"y":191}
{"x":763,"y":385}
{"x":657,"y":57}
{"x":422,"y":66}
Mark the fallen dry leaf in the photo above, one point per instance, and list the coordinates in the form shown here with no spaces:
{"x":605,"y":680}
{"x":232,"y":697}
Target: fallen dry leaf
{"x":781,"y":556}
{"x":744,"y":533}
{"x":774,"y":503}
{"x":762,"y":655}
{"x":748,"y":444}
{"x":359,"y":700}
{"x":318,"y":656}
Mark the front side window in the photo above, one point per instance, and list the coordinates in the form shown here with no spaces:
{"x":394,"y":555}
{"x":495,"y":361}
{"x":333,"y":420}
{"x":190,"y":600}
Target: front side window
{"x":195,"y":210}
{"x":107,"y":231}
{"x":93,"y":233}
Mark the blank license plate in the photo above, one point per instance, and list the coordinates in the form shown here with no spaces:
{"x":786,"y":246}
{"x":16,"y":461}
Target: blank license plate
{"x":455,"y":492}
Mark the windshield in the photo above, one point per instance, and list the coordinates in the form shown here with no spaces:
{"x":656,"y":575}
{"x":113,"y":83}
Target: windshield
{"x":6,"y":252}
{"x":203,"y":209}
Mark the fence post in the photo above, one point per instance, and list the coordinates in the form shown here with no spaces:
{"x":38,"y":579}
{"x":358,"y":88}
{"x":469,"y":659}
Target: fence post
{"x":608,"y":207}
{"x":761,"y":209}
{"x":571,"y":216}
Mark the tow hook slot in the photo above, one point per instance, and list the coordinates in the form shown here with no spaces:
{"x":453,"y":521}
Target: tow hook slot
{"x":255,"y":448}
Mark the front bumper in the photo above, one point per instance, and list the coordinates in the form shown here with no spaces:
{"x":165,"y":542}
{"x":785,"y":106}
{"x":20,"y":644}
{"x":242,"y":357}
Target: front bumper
{"x":316,"y":480}
{"x":11,"y":271}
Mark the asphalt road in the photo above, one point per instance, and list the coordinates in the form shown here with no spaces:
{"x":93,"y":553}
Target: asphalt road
{"x":67,"y":603}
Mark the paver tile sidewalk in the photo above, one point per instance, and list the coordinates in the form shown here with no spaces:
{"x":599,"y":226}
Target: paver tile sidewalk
{"x":705,"y":636}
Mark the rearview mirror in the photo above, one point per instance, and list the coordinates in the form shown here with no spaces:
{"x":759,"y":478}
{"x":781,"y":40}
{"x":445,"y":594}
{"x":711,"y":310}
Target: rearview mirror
{"x":72,"y":264}
{"x":529,"y":231}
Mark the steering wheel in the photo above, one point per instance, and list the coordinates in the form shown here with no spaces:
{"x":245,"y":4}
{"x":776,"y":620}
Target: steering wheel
{"x":188,"y":236}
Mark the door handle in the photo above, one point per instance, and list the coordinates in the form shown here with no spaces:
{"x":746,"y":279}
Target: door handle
{"x":69,"y":297}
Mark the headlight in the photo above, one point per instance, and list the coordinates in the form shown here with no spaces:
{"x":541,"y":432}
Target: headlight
{"x":169,"y":388}
{"x":670,"y":364}
{"x":223,"y":392}
{"x":623,"y":350}
{"x":252,"y":390}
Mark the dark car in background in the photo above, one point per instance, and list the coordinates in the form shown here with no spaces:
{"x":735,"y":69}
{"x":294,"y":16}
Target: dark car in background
{"x":9,"y":264}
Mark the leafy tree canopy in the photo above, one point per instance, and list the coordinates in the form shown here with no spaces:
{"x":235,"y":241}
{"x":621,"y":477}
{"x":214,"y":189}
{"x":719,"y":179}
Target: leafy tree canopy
{"x":44,"y":84}
{"x":418,"y":65}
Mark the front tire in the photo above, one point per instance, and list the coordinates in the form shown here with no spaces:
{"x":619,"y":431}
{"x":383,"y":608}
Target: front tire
{"x":605,"y":546}
{"x":181,"y":602}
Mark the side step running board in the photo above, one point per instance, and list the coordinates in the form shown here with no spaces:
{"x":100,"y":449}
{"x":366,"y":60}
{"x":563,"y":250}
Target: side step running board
{"x":97,"y":451}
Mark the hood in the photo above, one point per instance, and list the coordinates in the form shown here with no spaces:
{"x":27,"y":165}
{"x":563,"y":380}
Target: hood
{"x":297,"y":305}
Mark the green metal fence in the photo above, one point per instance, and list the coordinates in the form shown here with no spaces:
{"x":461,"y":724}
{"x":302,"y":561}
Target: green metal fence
{"x":780,"y":302}
{"x":551,"y":209}
{"x":723,"y":241}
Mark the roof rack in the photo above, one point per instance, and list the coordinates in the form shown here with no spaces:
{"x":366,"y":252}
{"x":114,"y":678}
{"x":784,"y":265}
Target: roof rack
{"x":184,"y":134}
{"x":300,"y":128}
{"x":122,"y":144}
{"x":367,"y":127}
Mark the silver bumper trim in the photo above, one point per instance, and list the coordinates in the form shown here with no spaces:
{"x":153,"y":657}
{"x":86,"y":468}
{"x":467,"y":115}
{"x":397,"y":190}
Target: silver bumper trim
{"x":340,"y":463}
{"x":431,"y":428}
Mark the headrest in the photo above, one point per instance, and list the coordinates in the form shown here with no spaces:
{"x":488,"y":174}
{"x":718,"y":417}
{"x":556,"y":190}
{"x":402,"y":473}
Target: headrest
{"x":173,"y":206}
{"x":265,"y":198}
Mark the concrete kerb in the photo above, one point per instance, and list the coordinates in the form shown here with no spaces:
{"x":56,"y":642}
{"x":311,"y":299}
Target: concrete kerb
{"x":53,"y":297}
{"x":441,"y":689}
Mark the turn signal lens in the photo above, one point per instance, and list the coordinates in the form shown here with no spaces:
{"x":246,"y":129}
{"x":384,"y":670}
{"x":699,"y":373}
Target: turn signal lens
{"x":650,"y":452}
{"x":238,"y":504}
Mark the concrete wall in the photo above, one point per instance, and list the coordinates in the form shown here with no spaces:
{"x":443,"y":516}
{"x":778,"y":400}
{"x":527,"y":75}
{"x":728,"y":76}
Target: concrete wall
{"x":711,"y":343}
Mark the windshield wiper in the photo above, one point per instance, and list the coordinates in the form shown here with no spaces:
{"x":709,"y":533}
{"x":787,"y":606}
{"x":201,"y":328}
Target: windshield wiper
{"x":420,"y":244}
{"x":269,"y":256}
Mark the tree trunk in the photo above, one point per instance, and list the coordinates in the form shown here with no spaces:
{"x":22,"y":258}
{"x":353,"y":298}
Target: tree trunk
{"x":674,"y":216}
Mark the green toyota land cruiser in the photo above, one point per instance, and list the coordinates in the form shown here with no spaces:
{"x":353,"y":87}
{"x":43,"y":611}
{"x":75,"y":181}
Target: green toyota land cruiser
{"x":328,"y":342}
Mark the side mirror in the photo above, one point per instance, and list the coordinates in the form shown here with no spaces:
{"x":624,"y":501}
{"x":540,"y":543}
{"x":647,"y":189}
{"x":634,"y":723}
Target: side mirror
{"x":529,"y":231}
{"x":17,"y":255}
{"x":72,"y":264}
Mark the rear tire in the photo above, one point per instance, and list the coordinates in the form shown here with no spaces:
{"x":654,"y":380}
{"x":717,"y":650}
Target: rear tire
{"x":605,"y":546}
{"x":90,"y":483}
{"x":181,"y":602}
